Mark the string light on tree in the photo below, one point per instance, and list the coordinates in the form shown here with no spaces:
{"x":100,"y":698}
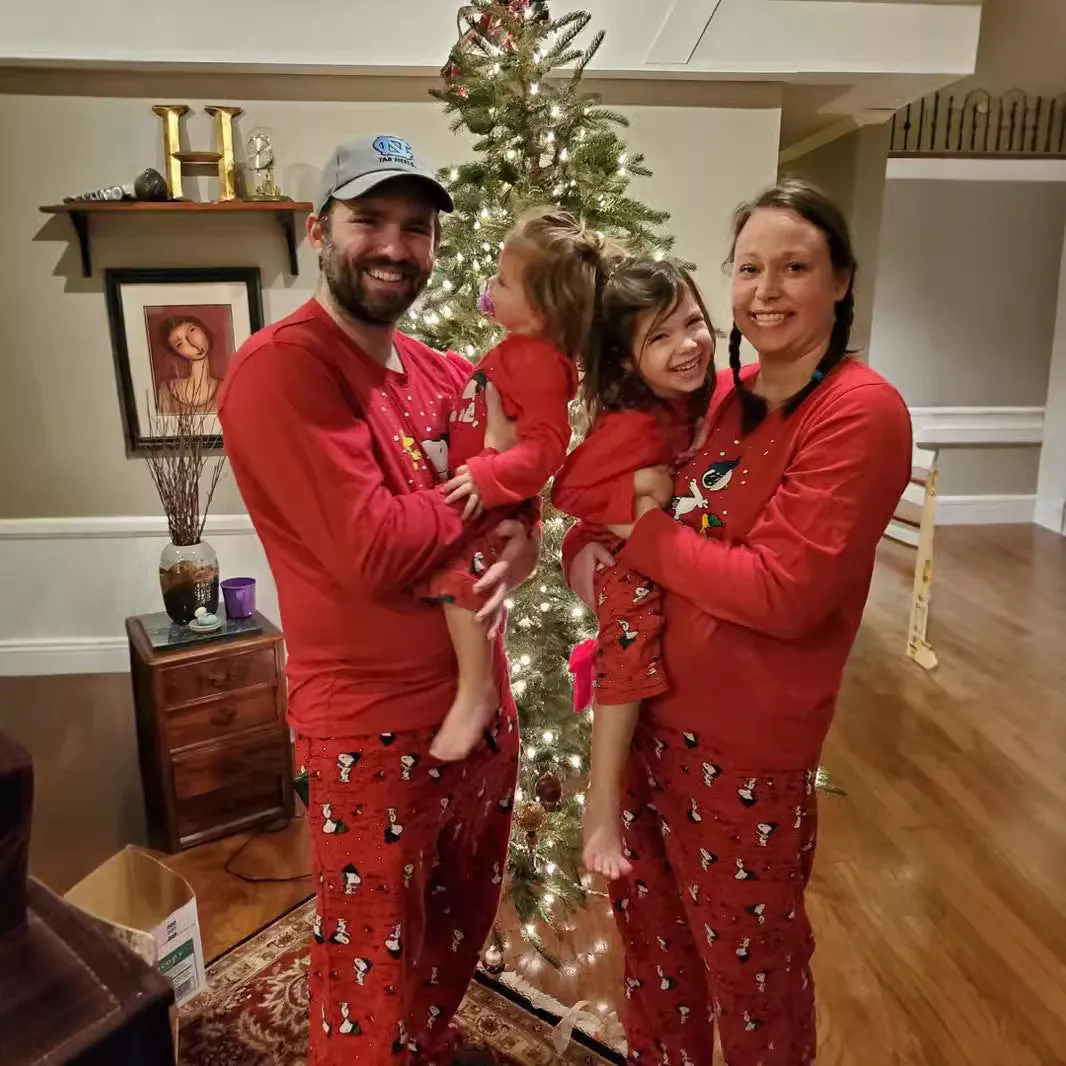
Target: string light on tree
{"x":537,"y":139}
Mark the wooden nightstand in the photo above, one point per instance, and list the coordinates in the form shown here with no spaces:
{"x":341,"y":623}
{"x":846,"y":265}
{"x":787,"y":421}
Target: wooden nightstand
{"x":215,"y":752}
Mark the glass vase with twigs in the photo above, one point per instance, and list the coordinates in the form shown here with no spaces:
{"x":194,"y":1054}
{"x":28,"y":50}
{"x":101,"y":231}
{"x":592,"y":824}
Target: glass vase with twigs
{"x":181,"y":465}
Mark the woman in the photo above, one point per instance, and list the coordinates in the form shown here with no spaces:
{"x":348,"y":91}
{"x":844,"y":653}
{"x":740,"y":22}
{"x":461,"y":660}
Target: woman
{"x":186,"y":337}
{"x":766,"y":572}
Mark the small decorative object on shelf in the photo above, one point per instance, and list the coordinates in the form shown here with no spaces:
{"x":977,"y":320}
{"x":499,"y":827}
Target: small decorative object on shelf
{"x":178,"y":161}
{"x":261,"y":181}
{"x":188,"y":566}
{"x":204,"y":621}
{"x":148,"y":186}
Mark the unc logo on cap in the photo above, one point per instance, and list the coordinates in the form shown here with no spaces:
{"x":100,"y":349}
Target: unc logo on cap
{"x":393,"y":147}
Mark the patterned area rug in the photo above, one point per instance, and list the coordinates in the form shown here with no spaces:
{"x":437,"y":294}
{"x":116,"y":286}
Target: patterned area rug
{"x":254,"y":1011}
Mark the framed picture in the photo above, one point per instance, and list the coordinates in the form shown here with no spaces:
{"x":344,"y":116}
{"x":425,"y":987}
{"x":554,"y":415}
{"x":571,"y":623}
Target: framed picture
{"x":174,"y":332}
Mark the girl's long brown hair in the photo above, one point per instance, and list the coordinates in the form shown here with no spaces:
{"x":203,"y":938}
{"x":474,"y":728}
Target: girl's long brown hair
{"x":612,"y":380}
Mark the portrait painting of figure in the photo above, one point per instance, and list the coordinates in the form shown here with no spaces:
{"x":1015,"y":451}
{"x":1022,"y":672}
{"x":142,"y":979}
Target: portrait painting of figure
{"x":190,"y":346}
{"x":174,"y":332}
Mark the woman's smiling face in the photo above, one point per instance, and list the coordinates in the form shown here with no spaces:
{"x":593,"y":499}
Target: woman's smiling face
{"x":785,"y":289}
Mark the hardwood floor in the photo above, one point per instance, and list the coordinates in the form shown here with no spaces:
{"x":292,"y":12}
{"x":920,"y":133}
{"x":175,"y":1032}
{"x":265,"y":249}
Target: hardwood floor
{"x":939,"y":896}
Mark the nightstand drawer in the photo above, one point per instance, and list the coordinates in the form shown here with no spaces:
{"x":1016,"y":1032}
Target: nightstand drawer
{"x":235,"y":712}
{"x":197,"y":680}
{"x":218,"y":785}
{"x":230,"y":810}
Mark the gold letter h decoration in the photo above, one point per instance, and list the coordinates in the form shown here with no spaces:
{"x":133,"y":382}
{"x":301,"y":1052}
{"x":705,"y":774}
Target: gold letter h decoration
{"x":176,"y":161}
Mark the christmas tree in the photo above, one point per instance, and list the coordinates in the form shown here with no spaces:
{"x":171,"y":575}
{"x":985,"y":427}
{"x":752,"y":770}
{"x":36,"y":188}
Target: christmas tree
{"x":513,"y":80}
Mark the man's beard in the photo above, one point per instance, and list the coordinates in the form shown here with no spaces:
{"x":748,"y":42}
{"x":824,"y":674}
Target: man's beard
{"x":345,"y":281}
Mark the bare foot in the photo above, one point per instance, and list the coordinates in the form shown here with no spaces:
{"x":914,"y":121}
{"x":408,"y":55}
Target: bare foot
{"x":464,"y":723}
{"x":602,"y":833}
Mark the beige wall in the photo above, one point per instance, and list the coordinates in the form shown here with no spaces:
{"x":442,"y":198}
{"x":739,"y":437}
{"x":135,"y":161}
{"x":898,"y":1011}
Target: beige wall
{"x":60,"y":428}
{"x":965,"y":309}
{"x":851,"y":170}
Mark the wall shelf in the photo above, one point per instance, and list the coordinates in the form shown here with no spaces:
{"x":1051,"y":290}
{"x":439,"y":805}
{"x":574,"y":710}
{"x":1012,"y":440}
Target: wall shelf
{"x":80,"y":211}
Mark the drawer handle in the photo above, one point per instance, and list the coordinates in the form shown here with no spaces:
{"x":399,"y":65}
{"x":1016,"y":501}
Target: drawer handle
{"x":223,"y":716}
{"x":218,"y":680}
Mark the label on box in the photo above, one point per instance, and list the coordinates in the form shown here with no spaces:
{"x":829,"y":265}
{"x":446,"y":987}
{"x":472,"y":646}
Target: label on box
{"x":180,"y":967}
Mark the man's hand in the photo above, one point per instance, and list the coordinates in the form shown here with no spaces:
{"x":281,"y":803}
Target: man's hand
{"x":654,"y":482}
{"x":464,"y":487}
{"x":516,"y":562}
{"x":643,"y":506}
{"x":501,"y":432}
{"x":582,"y":576}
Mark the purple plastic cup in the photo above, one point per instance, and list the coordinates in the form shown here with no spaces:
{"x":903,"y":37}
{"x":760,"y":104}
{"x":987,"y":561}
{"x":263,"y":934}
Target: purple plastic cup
{"x":239,"y":594}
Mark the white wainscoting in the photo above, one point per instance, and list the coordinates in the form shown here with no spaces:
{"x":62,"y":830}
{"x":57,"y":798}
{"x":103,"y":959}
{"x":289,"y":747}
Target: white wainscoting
{"x":973,"y":427}
{"x":71,"y":582}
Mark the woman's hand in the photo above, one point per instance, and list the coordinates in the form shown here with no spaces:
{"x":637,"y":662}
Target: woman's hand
{"x":654,"y":482}
{"x":582,"y":576}
{"x":501,"y":432}
{"x":463,"y":487}
{"x":643,"y":506}
{"x":515,"y":563}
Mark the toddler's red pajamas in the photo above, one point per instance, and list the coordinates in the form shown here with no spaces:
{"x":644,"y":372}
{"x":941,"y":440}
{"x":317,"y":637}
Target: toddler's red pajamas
{"x":596,"y":486}
{"x":536,"y":383}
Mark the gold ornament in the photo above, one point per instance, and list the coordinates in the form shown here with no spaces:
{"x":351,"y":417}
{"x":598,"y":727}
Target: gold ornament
{"x":531,"y":816}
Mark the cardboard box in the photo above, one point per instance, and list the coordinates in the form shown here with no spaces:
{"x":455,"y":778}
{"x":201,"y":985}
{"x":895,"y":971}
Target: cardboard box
{"x":153,"y":910}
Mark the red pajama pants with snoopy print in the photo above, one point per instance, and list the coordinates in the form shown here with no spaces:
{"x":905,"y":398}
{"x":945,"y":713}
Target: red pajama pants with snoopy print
{"x":409,"y":855}
{"x":712,"y":916}
{"x":628,"y":660}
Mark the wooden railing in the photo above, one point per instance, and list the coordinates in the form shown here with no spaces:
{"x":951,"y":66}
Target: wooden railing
{"x":979,"y":124}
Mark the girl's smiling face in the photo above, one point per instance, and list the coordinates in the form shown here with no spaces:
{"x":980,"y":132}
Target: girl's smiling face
{"x":673,"y":351}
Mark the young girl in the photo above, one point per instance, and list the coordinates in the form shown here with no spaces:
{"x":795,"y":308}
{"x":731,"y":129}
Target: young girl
{"x":645,"y":388}
{"x":545,"y":294}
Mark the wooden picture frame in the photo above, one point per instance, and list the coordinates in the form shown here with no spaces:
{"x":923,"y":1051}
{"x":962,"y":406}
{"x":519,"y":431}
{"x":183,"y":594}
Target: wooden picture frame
{"x":174,"y":332}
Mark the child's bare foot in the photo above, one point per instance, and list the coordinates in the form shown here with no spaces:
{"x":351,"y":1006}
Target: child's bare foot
{"x":464,"y":723}
{"x":602,"y":833}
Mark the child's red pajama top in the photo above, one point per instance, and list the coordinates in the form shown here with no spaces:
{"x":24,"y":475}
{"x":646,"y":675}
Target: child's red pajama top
{"x":536,"y":383}
{"x":595,"y":483}
{"x":336,"y":459}
{"x":762,"y":609}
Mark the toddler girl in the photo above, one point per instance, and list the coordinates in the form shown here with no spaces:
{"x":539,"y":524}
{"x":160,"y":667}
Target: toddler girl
{"x":647,"y":383}
{"x":545,"y":294}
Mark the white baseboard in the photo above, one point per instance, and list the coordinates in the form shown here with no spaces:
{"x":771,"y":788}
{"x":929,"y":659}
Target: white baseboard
{"x":74,"y":581}
{"x":1051,"y":514}
{"x":985,"y":510}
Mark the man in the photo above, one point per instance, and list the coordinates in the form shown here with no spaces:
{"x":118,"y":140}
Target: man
{"x":336,"y":430}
